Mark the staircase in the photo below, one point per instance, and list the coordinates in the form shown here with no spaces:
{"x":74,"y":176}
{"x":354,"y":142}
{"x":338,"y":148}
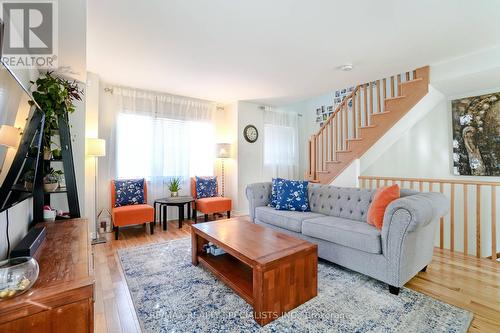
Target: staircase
{"x":360,"y":120}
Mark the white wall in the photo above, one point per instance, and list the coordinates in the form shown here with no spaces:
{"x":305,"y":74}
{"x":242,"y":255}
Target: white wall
{"x":250,"y":155}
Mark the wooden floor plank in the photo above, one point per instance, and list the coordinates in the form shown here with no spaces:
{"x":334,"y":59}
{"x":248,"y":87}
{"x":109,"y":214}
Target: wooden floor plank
{"x":464,"y":281}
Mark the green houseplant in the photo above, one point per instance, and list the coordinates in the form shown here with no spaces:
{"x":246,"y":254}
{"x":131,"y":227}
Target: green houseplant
{"x":51,"y":180}
{"x":55,"y":97}
{"x":174,"y":186}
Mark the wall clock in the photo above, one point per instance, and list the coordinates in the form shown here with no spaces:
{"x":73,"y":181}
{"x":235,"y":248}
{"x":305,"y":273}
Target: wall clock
{"x":250,"y":133}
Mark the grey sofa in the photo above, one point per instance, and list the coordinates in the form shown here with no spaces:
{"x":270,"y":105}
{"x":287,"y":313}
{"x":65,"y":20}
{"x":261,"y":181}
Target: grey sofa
{"x":337,"y":224}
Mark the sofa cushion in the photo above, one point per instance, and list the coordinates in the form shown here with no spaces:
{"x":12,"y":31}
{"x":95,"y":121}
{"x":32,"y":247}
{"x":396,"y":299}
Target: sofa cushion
{"x":349,"y":203}
{"x":292,"y":195}
{"x":273,"y":199}
{"x":350,"y":233}
{"x":289,"y":220}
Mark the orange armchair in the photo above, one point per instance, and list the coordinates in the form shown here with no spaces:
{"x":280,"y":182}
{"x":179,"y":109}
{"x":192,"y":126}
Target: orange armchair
{"x":131,"y":214}
{"x":209,"y":205}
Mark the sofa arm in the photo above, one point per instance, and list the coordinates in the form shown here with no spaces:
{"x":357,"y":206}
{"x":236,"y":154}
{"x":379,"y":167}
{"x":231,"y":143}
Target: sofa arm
{"x":258,"y":195}
{"x":422,"y":209}
{"x":408,"y":233}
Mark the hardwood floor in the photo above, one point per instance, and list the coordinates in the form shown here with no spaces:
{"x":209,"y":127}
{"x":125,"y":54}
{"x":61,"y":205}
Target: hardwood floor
{"x":464,"y":281}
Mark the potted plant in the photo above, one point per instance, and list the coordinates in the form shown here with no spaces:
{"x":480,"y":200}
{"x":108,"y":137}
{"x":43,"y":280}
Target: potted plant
{"x":174,"y":186}
{"x":29,"y":179}
{"x":57,"y":154}
{"x":51,"y":180}
{"x":55,"y":97}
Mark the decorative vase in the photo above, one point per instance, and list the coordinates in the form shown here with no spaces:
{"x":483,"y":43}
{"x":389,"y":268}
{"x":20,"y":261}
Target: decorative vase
{"x":47,"y":154}
{"x":28,"y":186}
{"x":17,"y":275}
{"x":50,"y":187}
{"x":174,"y":194}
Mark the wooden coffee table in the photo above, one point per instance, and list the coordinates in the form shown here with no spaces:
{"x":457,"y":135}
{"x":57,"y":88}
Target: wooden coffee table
{"x":272,"y":271}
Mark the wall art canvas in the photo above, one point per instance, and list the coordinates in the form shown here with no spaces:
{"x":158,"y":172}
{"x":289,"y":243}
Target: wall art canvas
{"x":476,"y":135}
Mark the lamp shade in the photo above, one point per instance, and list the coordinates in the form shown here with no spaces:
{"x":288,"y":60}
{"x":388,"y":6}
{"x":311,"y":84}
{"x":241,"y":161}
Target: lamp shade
{"x":223,"y":150}
{"x":96,"y":147}
{"x":9,"y":136}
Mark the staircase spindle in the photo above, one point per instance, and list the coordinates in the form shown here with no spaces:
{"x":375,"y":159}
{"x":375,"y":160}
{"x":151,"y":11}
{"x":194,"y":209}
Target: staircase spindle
{"x":466,"y":219}
{"x":493,"y":223}
{"x":346,"y":124}
{"x":392,"y":86}
{"x":379,"y":102}
{"x":354,"y":120}
{"x":441,"y":222}
{"x":370,"y":94}
{"x":399,"y":85}
{"x":365,"y":96}
{"x":478,"y":220}
{"x":452,"y":217}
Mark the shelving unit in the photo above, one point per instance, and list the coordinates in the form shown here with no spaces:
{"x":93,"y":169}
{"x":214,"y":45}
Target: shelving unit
{"x":42,"y":198}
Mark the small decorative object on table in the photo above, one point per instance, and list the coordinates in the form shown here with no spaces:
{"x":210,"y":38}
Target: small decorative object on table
{"x":17,"y":275}
{"x":174,"y":186}
{"x":51,"y":180}
{"x":29,"y":178}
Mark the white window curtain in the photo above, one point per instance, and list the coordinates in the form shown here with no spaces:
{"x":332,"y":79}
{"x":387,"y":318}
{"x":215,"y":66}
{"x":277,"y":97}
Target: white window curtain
{"x":155,"y":136}
{"x":281,"y":144}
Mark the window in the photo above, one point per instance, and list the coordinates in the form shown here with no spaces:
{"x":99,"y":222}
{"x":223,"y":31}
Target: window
{"x":157,"y":148}
{"x":279,"y":145}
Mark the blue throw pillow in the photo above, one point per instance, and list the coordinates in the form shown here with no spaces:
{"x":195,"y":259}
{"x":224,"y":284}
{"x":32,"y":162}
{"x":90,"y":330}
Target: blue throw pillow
{"x":206,"y":187}
{"x":129,"y":192}
{"x":273,"y":198}
{"x":292,"y":195}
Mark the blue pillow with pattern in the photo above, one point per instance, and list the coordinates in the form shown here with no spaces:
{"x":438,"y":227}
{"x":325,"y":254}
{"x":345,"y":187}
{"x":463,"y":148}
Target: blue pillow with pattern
{"x":129,"y":192}
{"x":273,"y":198}
{"x":292,"y":195}
{"x":206,"y":187}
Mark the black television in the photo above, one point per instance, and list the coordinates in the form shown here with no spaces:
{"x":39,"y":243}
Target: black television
{"x":21,"y":126}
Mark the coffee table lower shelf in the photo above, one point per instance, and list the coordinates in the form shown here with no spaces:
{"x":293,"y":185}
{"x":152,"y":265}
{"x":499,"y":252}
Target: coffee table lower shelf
{"x":272,"y":279}
{"x":232,"y":272}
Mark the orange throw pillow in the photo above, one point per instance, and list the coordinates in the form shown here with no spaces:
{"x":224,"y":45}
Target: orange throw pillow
{"x":382,"y":198}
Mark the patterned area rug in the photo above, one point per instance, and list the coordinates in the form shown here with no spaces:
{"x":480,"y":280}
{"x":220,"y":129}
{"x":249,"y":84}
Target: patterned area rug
{"x":171,"y":295}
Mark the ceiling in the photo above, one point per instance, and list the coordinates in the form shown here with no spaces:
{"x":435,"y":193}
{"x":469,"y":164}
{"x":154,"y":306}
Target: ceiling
{"x":277,"y":51}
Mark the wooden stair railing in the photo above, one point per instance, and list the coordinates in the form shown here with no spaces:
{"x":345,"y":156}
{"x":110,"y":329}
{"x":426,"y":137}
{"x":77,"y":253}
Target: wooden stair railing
{"x":360,"y":120}
{"x":472,"y":216}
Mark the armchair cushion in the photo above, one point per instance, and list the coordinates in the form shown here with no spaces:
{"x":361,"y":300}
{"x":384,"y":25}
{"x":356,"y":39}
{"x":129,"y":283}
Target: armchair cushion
{"x":129,"y":192}
{"x":213,"y":205}
{"x":132,"y":214}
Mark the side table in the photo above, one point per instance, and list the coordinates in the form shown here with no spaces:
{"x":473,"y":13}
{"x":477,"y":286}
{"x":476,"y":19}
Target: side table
{"x":178,"y":202}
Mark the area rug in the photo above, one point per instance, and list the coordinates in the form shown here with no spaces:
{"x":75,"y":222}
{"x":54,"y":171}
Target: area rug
{"x":172,"y":295}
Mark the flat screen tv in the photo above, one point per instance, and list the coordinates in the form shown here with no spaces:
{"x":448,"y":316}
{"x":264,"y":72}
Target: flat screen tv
{"x":21,"y":127}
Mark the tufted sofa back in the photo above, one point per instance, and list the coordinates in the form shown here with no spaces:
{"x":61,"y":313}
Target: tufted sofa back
{"x":345,"y":202}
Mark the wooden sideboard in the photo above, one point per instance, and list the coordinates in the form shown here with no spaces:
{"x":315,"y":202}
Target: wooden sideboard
{"x":62,"y":299}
